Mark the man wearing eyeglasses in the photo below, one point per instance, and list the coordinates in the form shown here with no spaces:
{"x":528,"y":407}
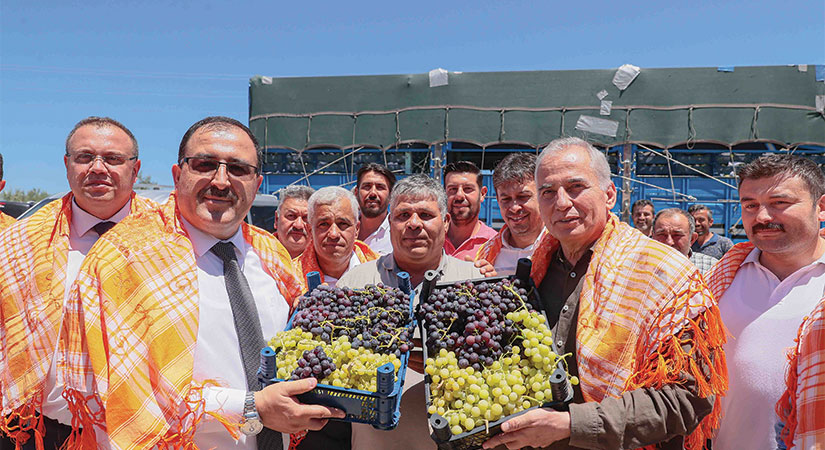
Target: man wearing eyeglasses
{"x":41,"y":258}
{"x":176,"y":306}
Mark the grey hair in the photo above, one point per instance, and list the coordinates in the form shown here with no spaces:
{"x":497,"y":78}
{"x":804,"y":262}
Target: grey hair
{"x":329,"y":195}
{"x":598,"y":161}
{"x":674,"y":211}
{"x":294,"y":191}
{"x":420,"y":187}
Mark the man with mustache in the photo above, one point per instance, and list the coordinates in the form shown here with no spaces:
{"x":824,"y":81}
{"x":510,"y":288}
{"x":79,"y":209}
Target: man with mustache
{"x":675,"y":227}
{"x":375,"y":182}
{"x":642,"y":327}
{"x":642,"y":212}
{"x":41,"y":258}
{"x":708,"y":242}
{"x":515,"y":183}
{"x":333,"y":218}
{"x":291,"y":218}
{"x":5,"y":219}
{"x":766,"y":287}
{"x":174,"y":308}
{"x":419,"y":222}
{"x":465,"y":193}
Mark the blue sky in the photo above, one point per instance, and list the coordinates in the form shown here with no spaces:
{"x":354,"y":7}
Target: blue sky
{"x":158,"y":68}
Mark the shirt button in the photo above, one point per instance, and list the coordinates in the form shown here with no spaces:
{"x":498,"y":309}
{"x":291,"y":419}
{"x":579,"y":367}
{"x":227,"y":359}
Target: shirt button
{"x":560,"y":343}
{"x":572,"y":274}
{"x":565,"y":308}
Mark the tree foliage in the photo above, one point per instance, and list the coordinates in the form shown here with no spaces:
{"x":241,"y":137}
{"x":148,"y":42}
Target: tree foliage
{"x":19,"y":195}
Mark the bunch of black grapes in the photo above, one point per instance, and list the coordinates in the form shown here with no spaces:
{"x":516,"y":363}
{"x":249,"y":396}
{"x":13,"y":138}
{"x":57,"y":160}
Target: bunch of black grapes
{"x":469,"y":319}
{"x":376,"y":317}
{"x":313,"y":363}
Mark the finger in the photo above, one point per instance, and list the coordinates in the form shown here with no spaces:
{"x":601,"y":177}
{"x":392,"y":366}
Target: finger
{"x":514,"y":424}
{"x":291,"y":388}
{"x":321,"y":412}
{"x":469,"y":258}
{"x":317,"y":424}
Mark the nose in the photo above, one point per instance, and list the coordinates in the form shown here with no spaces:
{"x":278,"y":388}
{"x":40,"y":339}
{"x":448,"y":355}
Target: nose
{"x":763,"y":215}
{"x":221,"y":178}
{"x":670,"y":241}
{"x":98,"y":166}
{"x":334,"y":232}
{"x":414,"y":222}
{"x":563,"y":200}
{"x":299,"y":223}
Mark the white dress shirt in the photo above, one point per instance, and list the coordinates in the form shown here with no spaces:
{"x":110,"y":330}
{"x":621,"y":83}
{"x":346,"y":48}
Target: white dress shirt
{"x":217,"y":355}
{"x":379,"y":240}
{"x":353,"y":261}
{"x":81,"y":239}
{"x":508,"y":257}
{"x":763,"y":315}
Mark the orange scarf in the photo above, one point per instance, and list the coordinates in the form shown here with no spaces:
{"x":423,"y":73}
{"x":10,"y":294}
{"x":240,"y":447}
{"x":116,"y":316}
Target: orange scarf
{"x":133,"y":315}
{"x":802,"y":406}
{"x":308,"y":261}
{"x":32,"y":287}
{"x":6,"y":221}
{"x":639,"y":304}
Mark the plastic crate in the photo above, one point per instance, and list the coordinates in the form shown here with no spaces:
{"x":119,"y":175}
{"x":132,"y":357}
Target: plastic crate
{"x":473,"y":439}
{"x":379,"y":409}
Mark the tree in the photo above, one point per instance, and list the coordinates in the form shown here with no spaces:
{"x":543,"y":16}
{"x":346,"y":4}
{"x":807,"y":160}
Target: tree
{"x":144,"y":179}
{"x":19,"y":195}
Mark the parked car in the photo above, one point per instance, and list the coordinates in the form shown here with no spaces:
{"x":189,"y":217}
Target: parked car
{"x":262,"y":213}
{"x":14,"y":209}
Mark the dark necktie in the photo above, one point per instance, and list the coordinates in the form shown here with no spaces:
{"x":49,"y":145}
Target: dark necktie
{"x":102,"y":227}
{"x":248,"y":329}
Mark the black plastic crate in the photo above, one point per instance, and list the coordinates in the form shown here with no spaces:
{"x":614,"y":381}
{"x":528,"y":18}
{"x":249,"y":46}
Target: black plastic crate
{"x":474,"y":438}
{"x":380,"y":408}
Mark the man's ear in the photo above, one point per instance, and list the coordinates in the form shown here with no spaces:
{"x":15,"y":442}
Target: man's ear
{"x":483,"y":192}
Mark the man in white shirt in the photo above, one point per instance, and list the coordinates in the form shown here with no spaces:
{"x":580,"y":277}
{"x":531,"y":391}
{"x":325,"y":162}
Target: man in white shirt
{"x":42,"y":256}
{"x":515,"y":183}
{"x":216,"y":289}
{"x":375,"y":182}
{"x":333,"y":249}
{"x":291,"y":226}
{"x":765,"y":288}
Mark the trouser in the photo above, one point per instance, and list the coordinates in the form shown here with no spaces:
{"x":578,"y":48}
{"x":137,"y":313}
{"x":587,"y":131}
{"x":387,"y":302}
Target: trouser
{"x":56,"y":434}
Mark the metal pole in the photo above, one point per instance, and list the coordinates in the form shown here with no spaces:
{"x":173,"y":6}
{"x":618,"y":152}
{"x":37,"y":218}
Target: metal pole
{"x":627,"y":189}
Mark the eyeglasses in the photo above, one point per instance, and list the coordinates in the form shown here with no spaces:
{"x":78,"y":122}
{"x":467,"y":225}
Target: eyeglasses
{"x":85,"y":158}
{"x":208,"y":166}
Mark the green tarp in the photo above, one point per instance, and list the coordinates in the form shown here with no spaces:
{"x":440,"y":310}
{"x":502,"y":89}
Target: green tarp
{"x":662,"y":107}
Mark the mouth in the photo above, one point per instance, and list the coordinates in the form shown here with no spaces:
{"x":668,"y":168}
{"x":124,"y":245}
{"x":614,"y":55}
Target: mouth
{"x":568,"y":220}
{"x":97,"y":183}
{"x":296,"y":234}
{"x":519,"y":218}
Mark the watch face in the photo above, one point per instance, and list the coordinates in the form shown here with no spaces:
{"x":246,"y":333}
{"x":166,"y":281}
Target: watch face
{"x":252,"y":427}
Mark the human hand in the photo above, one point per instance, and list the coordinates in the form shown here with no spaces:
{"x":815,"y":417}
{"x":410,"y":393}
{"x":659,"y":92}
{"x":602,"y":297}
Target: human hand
{"x":537,"y":428}
{"x":485,"y":267}
{"x":281,"y":411}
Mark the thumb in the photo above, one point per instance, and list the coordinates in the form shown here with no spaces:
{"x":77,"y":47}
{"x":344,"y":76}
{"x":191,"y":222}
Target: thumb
{"x":469,"y":258}
{"x":514,"y":424}
{"x":296,"y":387}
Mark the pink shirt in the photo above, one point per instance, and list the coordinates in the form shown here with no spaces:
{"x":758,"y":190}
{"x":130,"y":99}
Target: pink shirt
{"x":481,"y":234}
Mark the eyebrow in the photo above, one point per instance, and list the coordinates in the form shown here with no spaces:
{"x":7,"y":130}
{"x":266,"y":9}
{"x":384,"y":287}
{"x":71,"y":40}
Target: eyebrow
{"x":207,"y":155}
{"x":751,"y":199}
{"x":567,"y":181}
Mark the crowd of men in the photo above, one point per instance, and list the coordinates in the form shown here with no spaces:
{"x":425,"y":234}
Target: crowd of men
{"x":128,"y":324}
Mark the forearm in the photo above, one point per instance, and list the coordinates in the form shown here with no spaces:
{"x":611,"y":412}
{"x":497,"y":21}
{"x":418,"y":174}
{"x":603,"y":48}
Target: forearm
{"x":639,"y":417}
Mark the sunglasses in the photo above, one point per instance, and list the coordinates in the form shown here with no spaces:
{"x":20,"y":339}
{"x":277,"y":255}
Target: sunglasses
{"x":208,"y":166}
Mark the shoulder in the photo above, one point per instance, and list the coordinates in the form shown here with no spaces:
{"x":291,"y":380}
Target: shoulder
{"x":363,"y":274}
{"x":456,"y":269}
{"x":486,"y":232}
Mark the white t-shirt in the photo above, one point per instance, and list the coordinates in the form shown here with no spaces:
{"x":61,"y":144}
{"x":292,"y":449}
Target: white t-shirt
{"x":763,"y":315}
{"x":379,"y":240}
{"x":508,"y":257}
{"x":353,"y":261}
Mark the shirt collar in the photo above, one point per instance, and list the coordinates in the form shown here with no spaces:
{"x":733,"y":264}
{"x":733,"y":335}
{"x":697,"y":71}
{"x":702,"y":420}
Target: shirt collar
{"x":505,"y":244}
{"x":388,"y":262}
{"x":203,"y":242}
{"x":753,"y":258}
{"x":82,"y":221}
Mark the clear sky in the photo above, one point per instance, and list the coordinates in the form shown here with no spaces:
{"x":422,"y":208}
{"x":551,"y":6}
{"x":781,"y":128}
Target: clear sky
{"x":159,"y":66}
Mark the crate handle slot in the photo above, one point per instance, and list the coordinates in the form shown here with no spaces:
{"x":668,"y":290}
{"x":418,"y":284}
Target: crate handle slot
{"x":441,"y":428}
{"x":313,"y":280}
{"x":268,"y":368}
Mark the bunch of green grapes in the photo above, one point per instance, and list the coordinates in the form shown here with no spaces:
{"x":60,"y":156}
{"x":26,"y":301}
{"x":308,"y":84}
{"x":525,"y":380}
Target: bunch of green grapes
{"x":518,"y":380}
{"x":355,"y":367}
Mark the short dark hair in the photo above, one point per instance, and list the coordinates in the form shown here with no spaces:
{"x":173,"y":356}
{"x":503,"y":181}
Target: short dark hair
{"x":673,"y":212}
{"x":1,"y":167}
{"x":641,"y":203}
{"x":696,"y":207}
{"x":102,"y":122}
{"x":380,"y":170}
{"x":219,"y":123}
{"x":517,"y":167}
{"x":788,"y":165}
{"x":463,"y":167}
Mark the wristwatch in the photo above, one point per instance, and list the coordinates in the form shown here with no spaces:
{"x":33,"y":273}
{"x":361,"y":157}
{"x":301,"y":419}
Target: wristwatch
{"x":252,"y":421}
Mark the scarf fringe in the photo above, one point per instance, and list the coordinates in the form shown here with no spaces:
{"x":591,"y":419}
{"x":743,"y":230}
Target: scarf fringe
{"x":704,"y":335}
{"x":786,"y":406}
{"x":295,"y":439}
{"x":25,"y":423}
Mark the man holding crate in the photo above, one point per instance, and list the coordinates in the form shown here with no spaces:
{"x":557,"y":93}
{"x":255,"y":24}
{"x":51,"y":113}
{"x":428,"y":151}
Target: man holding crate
{"x":639,"y":320}
{"x":152,"y":306}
